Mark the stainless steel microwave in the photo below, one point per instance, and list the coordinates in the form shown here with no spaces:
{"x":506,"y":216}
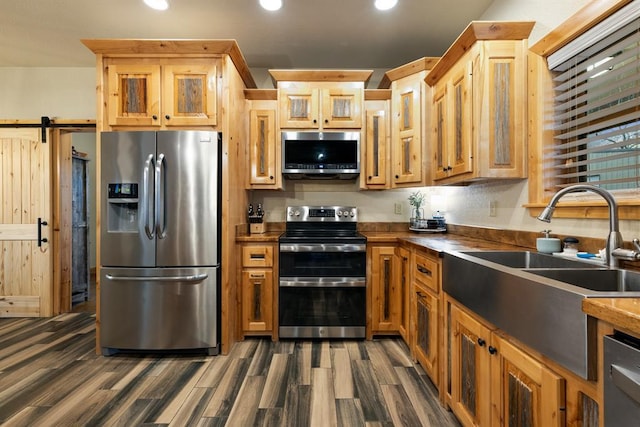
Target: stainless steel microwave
{"x":325,"y":155}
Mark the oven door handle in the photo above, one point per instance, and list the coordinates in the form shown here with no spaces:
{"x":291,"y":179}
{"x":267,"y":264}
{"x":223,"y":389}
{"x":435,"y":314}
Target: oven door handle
{"x":627,"y":381}
{"x":323,"y":282}
{"x":322,"y":247}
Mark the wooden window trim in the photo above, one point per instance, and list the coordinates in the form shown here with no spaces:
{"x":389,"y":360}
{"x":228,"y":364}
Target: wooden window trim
{"x":540,"y":100}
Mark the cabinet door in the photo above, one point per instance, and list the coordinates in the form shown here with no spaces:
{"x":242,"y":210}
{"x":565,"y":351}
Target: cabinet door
{"x":384,"y":291}
{"x":299,"y":108}
{"x":500,"y":113}
{"x":342,"y":108}
{"x":470,"y":365}
{"x":459,"y":152}
{"x":406,"y":136}
{"x":376,"y":149}
{"x":134,"y":95}
{"x":526,"y":393}
{"x":189,"y":95}
{"x":262,"y":148}
{"x":403,"y":280}
{"x":440,"y":133}
{"x":257,"y":297}
{"x":426,"y":334}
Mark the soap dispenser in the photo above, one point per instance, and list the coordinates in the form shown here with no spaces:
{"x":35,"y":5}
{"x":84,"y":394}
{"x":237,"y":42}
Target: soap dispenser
{"x":547,"y":244}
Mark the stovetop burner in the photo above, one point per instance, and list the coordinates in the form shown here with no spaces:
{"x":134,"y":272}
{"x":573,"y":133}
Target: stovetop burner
{"x":322,"y":224}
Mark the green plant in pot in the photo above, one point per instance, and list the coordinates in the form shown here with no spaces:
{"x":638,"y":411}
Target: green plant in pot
{"x":416,"y":200}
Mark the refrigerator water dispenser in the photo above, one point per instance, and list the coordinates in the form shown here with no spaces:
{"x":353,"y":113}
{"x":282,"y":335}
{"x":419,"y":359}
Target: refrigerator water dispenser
{"x":122,"y":214}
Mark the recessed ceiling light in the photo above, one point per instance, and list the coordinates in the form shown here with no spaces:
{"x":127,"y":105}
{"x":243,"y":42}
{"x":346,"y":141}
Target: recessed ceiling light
{"x":271,"y":4}
{"x":385,"y":4}
{"x":157,"y":4}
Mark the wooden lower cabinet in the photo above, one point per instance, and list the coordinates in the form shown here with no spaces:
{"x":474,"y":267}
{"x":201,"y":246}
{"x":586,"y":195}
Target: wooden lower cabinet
{"x":493,"y":382}
{"x":403,"y":279}
{"x":385,"y":295}
{"x":425,"y":340}
{"x":257,"y":289}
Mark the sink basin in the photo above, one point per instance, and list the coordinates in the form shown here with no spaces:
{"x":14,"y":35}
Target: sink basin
{"x":527,"y":259}
{"x":537,"y":299}
{"x":596,"y":280}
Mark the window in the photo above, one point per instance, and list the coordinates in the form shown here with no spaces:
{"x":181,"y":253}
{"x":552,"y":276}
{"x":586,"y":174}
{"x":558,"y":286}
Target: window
{"x":596,"y":115}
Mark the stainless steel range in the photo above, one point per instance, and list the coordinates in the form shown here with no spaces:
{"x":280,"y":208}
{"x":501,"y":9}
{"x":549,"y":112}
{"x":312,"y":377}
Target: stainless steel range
{"x":322,"y":292}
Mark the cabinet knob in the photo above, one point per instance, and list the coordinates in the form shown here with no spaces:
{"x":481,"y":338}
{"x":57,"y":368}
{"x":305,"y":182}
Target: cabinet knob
{"x":397,"y":176}
{"x":315,"y":121}
{"x":270,"y":176}
{"x":481,"y":342}
{"x":369,"y":177}
{"x":444,"y":169}
{"x":167,"y":117}
{"x":492,"y":350}
{"x":154,"y":117}
{"x":326,"y":120}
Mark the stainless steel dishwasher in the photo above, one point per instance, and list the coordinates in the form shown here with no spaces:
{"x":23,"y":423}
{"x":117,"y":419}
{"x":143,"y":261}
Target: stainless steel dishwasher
{"x":621,"y":380}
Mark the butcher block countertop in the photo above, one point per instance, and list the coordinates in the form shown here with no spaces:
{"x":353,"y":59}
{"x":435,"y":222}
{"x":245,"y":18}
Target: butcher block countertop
{"x":623,"y":313}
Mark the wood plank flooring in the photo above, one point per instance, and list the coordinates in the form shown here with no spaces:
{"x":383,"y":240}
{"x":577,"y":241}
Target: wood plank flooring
{"x":51,"y":376}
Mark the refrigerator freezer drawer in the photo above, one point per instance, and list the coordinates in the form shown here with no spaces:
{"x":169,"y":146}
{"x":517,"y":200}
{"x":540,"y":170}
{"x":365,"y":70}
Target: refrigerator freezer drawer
{"x":159,"y":309}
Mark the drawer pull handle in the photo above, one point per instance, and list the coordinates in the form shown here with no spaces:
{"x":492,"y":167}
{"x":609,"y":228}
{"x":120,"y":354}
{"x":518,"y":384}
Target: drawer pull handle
{"x":424,"y":270}
{"x":257,"y":275}
{"x":257,"y":256}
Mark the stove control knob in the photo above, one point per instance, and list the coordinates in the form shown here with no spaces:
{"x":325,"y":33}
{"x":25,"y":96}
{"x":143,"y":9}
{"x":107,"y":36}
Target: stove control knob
{"x":339,"y":213}
{"x":353,"y":213}
{"x":297,"y":213}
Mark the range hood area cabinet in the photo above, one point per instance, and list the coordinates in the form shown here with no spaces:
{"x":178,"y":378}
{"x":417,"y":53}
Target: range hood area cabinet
{"x":479,"y":105}
{"x":320,"y":99}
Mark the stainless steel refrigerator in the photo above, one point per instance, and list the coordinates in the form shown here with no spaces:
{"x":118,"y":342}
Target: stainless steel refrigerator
{"x":159,"y":241}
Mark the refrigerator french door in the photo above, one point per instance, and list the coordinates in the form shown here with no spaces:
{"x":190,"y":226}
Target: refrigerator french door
{"x":159,"y":241}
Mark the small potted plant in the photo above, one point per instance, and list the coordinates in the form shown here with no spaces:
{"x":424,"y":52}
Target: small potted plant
{"x":415,"y":200}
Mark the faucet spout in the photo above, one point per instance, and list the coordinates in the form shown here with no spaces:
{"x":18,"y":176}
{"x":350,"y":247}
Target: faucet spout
{"x":614,"y":241}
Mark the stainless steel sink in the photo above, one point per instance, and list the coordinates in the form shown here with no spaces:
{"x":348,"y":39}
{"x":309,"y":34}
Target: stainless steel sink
{"x":527,"y":259}
{"x":596,"y":280}
{"x":537,"y":299}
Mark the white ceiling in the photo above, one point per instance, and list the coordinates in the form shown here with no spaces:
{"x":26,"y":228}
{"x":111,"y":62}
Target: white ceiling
{"x":304,"y":34}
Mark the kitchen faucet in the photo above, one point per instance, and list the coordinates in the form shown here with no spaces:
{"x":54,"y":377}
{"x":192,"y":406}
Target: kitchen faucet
{"x":613,"y":250}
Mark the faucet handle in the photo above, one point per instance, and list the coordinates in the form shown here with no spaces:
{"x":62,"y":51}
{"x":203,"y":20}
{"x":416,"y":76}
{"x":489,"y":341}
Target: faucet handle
{"x":636,"y":243}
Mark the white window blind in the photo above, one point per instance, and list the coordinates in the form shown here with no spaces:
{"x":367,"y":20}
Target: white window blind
{"x":596,"y":114}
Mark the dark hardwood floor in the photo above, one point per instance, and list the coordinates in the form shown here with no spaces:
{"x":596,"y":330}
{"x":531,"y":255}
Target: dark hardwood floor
{"x":50,"y":375}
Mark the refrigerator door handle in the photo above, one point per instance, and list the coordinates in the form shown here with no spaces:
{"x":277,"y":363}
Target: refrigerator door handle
{"x":148,"y":199}
{"x":189,"y":278}
{"x":160,"y":189}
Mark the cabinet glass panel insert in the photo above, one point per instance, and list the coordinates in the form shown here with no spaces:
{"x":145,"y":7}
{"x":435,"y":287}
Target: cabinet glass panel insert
{"x":262,"y":143}
{"x":376,"y":145}
{"x":520,"y":402}
{"x":299,"y":108}
{"x":386,"y":274}
{"x":406,"y":155}
{"x":423,"y":324}
{"x":407,"y":111}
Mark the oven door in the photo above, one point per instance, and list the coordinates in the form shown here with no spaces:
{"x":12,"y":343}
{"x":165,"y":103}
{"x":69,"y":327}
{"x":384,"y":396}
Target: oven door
{"x":322,"y":307}
{"x":322,"y":260}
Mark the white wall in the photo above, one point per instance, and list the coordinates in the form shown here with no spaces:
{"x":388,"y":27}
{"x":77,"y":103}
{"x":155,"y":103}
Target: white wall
{"x":28,"y":93}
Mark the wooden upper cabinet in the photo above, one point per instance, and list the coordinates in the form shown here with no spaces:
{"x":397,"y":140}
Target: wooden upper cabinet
{"x":409,"y":122}
{"x":165,"y":84}
{"x":134,"y":95}
{"x":479,"y":104}
{"x":178,"y":93}
{"x":314,"y":108}
{"x":320,"y":99}
{"x":406,"y":132}
{"x":262,"y":148}
{"x":452,"y":123}
{"x":189,"y":94}
{"x":299,"y":108}
{"x":375,"y":150}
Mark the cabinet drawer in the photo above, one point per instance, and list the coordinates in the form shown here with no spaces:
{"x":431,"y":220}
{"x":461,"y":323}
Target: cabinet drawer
{"x":257,"y":256}
{"x":426,"y":272}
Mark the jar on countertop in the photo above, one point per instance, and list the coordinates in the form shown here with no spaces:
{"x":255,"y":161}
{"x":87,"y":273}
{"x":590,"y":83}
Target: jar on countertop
{"x":570,"y":245}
